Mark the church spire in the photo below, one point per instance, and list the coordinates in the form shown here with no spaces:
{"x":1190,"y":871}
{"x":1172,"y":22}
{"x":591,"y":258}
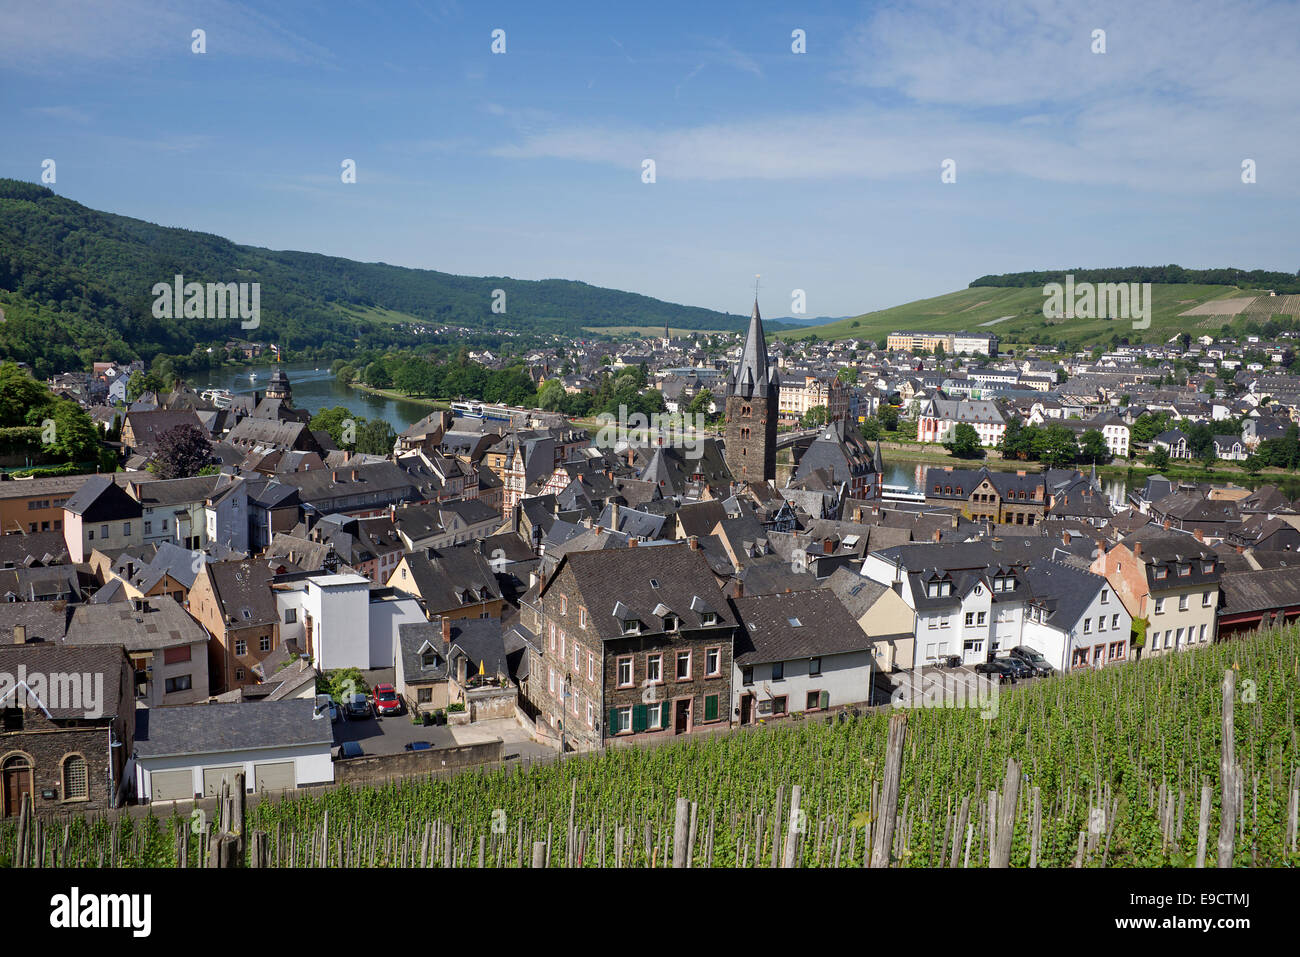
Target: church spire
{"x":753,"y":376}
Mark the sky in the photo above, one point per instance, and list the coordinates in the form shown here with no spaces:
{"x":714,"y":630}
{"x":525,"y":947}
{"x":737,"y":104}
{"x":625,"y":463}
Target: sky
{"x":818,"y":171}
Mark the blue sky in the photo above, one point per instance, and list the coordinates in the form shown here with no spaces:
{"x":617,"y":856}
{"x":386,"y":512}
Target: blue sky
{"x":820,"y":171}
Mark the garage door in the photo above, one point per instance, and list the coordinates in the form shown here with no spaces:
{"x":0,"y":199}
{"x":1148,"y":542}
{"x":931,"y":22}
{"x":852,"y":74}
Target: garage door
{"x":212,"y":779}
{"x":275,"y":776}
{"x":172,"y":785}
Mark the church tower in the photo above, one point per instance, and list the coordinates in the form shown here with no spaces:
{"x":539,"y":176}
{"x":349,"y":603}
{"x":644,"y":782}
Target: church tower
{"x":751,"y":410}
{"x":280,"y":388}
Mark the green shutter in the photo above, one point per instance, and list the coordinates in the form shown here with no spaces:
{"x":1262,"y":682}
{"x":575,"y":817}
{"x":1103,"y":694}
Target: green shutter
{"x":825,"y":700}
{"x":711,"y":707}
{"x":612,"y":728}
{"x":638,"y":717}
{"x":666,"y":721}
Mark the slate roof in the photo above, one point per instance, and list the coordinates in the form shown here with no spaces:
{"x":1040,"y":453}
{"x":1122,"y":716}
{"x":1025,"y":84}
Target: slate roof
{"x":58,"y":658}
{"x":101,"y":499}
{"x":217,"y":728}
{"x":1260,"y":590}
{"x":795,"y":625}
{"x":162,"y":623}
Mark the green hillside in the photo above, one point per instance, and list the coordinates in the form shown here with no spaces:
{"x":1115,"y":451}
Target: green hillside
{"x":76,"y":287}
{"x":1015,"y":315}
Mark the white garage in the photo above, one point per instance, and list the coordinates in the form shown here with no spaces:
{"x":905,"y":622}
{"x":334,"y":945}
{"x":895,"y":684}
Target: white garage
{"x":276,"y":745}
{"x":172,"y":785}
{"x":275,"y":775}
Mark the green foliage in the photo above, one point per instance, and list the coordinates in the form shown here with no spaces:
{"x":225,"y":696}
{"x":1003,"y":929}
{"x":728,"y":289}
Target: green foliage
{"x":1158,"y":458}
{"x":888,"y":417}
{"x":1093,"y":448}
{"x":180,"y":452}
{"x":965,"y":442}
{"x":813,"y":418}
{"x":871,"y":429}
{"x":30,"y":413}
{"x":1246,"y":279}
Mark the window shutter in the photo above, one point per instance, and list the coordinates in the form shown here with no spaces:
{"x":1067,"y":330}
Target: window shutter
{"x":711,"y":707}
{"x":824,"y":700}
{"x":612,"y":727}
{"x":638,"y":717}
{"x":666,"y":721}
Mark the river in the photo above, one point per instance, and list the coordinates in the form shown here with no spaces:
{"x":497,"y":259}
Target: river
{"x":315,"y":388}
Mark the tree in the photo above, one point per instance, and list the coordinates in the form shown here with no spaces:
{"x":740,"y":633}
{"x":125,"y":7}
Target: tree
{"x":938,"y":352}
{"x":334,"y":421}
{"x":181,"y":452}
{"x":1093,"y":448}
{"x":1159,"y":458}
{"x":814,"y":417}
{"x":550,"y":395}
{"x":888,"y":417}
{"x":871,"y":429}
{"x":1055,"y":446}
{"x":143,"y":382}
{"x":1252,"y":465}
{"x":848,"y":375}
{"x":375,"y":437}
{"x":965,"y":442}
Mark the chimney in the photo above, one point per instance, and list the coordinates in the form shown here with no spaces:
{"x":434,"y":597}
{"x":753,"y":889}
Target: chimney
{"x":20,"y":634}
{"x":446,"y":630}
{"x":1166,"y":524}
{"x":828,"y":546}
{"x":392,"y":512}
{"x":1065,"y":537}
{"x":1200,"y":535}
{"x":356,"y":476}
{"x":1241,"y":549}
{"x":334,"y":475}
{"x":694,"y":542}
{"x":613,"y":516}
{"x":740,"y":589}
{"x":938,"y":533}
{"x":1137,"y":549}
{"x":631,"y":543}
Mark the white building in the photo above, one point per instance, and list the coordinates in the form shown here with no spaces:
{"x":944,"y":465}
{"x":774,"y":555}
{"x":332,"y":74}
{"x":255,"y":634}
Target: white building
{"x":339,"y":621}
{"x":185,"y":752}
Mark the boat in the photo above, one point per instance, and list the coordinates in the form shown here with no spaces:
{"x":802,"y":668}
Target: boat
{"x":252,"y":376}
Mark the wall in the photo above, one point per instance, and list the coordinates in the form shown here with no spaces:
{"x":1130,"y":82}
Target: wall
{"x":848,"y":678}
{"x":385,"y":617}
{"x":377,"y":768}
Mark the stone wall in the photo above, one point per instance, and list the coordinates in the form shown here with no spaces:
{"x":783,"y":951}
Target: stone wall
{"x":378,"y":768}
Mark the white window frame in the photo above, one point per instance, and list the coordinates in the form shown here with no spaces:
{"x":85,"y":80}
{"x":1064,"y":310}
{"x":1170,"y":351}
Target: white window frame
{"x":618,"y":675}
{"x":654,"y":668}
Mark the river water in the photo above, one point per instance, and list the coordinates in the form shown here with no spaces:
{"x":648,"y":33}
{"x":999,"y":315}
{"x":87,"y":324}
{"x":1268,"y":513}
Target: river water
{"x":315,"y":388}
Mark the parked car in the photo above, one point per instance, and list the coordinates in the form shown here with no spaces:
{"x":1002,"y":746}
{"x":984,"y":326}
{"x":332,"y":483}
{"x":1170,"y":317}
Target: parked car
{"x":419,"y":746}
{"x":998,"y":668}
{"x":1034,"y":659}
{"x":357,"y":707}
{"x":1019,"y":668}
{"x":386,"y":700}
{"x":948,"y":661}
{"x":350,"y":749}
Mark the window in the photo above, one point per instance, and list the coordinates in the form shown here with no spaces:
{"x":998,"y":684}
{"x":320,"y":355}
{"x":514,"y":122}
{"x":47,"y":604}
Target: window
{"x":582,"y":617}
{"x":624,"y":720}
{"x":1087,"y":626}
{"x":712,"y":658}
{"x":178,"y":683}
{"x":814,"y":666}
{"x":126,"y":528}
{"x":943,"y":621}
{"x":1178,"y":640}
{"x":970,"y":618}
{"x":103,"y":531}
{"x":239,"y":674}
{"x":290,"y":616}
{"x":577,"y":658}
{"x":625,"y":672}
{"x":778,"y":671}
{"x":241,"y":647}
{"x":550,"y":679}
{"x":1105,"y":597}
{"x":747,"y":675}
{"x":683,"y":666}
{"x":75,"y":780}
{"x":1101,"y":622}
{"x":1114,"y":622}
{"x":1202,"y":634}
{"x":654,"y":717}
{"x":552,"y":637}
{"x":591,"y":715}
{"x":1205,"y":599}
{"x":817,"y":700}
{"x":424,"y":696}
{"x":778,"y":705}
{"x":980,"y":618}
{"x":710,"y":618}
{"x":265,"y":643}
{"x":1162,"y":573}
{"x":1182,"y":603}
{"x":631,"y":626}
{"x":564,"y":604}
{"x":1160,"y":606}
{"x":654,"y":666}
{"x":148,"y":527}
{"x":562,"y":637}
{"x":591,"y":666}
{"x":670,"y":622}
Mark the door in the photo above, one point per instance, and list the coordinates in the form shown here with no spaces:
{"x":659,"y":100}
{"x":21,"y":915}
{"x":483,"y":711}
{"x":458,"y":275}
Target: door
{"x":746,"y":709}
{"x":275,"y":776}
{"x":212,"y":779}
{"x":18,"y":781}
{"x":175,"y":785}
{"x":683,"y":719}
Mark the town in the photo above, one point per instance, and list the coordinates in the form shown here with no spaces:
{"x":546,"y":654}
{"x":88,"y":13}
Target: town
{"x":506,"y":583}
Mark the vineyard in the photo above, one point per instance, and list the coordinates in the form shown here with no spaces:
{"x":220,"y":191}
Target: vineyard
{"x":1121,"y":767}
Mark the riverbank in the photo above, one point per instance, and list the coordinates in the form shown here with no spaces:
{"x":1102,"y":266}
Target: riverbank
{"x":399,"y":396}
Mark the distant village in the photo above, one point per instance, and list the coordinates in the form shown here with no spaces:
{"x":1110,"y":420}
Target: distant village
{"x":500,"y":586}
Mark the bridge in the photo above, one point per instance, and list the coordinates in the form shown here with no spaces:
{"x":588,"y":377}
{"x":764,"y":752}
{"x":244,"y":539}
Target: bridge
{"x":786,"y":439}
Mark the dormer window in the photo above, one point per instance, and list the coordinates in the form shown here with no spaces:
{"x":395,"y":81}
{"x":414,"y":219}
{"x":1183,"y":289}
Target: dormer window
{"x":631,"y":626}
{"x":710,"y":618}
{"x":1207,"y":568}
{"x":671,"y":623}
{"x":1162,"y":573}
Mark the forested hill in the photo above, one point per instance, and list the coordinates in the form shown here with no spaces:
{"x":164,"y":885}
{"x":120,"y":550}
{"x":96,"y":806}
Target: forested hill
{"x":1280,"y":282}
{"x":75,"y":287}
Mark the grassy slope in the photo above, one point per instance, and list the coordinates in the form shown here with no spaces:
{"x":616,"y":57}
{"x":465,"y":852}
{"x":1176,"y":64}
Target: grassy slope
{"x":967,"y":309}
